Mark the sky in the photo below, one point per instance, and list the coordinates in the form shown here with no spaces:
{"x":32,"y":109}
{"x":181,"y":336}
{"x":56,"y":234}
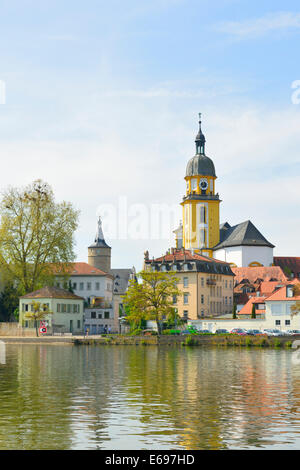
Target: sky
{"x":101,"y":100}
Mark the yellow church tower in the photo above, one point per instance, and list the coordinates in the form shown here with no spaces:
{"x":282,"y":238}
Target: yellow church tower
{"x":201,"y":221}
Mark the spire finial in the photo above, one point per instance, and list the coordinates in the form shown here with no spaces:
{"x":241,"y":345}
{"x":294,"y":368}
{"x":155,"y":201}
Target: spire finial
{"x":200,"y":139}
{"x":99,"y":235}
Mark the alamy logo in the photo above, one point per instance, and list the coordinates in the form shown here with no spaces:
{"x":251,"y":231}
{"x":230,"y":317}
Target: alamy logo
{"x":2,"y":353}
{"x":2,"y":92}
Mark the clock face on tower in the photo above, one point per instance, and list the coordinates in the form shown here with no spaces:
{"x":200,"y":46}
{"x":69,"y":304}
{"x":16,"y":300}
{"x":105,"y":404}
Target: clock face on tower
{"x":203,"y":184}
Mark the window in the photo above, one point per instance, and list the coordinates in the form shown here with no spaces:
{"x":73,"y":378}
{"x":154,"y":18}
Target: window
{"x":194,"y":184}
{"x":69,"y":308}
{"x":185,"y":282}
{"x":202,"y":215}
{"x":225,"y":300}
{"x":99,"y":316}
{"x":81,"y":286}
{"x":185,"y":298}
{"x":58,"y":308}
{"x":185,"y":314}
{"x":202,"y":281}
{"x":202,"y":298}
{"x":74,"y":285}
{"x":88,"y":285}
{"x":106,"y":315}
{"x":93,"y":315}
{"x":97,"y":285}
{"x":226,"y":284}
{"x":63,"y":308}
{"x":58,"y":284}
{"x":174,"y":299}
{"x":287,"y":322}
{"x":277,"y":322}
{"x":78,"y":324}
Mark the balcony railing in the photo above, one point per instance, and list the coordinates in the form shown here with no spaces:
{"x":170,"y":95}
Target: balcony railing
{"x":211,"y":282}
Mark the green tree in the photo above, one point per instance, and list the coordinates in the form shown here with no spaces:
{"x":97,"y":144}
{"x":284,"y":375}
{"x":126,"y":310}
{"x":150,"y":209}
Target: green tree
{"x":295,"y":308}
{"x":152,"y":298}
{"x":9,"y":301}
{"x":39,"y":312}
{"x":253,"y":314}
{"x":35,"y":234}
{"x":234,"y":316}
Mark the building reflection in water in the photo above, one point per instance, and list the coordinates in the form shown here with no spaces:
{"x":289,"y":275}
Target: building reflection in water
{"x":124,"y":397}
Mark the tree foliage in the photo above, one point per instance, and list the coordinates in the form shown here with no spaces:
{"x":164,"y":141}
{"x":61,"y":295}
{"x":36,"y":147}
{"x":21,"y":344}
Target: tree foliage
{"x":39,"y":312}
{"x":35,"y":232}
{"x":9,"y":301}
{"x":152,"y":298}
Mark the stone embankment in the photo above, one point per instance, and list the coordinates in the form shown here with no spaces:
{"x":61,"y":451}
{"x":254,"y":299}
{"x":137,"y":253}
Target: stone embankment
{"x":164,"y":340}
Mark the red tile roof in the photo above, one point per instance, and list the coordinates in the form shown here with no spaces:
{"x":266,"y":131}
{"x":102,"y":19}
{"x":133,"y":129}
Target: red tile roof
{"x":267,"y":287}
{"x":80,"y":269}
{"x":292,"y":263}
{"x":263,"y":272}
{"x":180,"y":255}
{"x":247,"y":309}
{"x":280,"y":294}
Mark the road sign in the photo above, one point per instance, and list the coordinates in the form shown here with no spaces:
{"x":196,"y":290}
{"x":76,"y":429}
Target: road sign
{"x":43,"y":330}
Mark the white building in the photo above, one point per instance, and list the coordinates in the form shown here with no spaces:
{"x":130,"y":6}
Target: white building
{"x":66,"y":308}
{"x":243,"y":245}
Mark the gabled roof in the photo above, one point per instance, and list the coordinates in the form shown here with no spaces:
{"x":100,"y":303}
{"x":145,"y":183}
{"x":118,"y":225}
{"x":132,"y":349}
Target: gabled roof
{"x":51,"y":293}
{"x":242,"y":234}
{"x":253,"y":273}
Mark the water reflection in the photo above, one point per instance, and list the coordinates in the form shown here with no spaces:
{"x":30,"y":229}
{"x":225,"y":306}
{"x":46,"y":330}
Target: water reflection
{"x":114,"y":397}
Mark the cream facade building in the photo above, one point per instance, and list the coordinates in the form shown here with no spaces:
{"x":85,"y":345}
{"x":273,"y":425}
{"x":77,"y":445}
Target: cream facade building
{"x":206,"y":284}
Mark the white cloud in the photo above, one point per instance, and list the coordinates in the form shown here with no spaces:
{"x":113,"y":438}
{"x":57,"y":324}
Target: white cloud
{"x":255,"y":27}
{"x":139,"y":148}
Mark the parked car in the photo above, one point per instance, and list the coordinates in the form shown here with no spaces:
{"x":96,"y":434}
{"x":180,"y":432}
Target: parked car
{"x":186,"y":332}
{"x":275,"y":332}
{"x":239,"y":331}
{"x":221,"y":331}
{"x":293,"y":332}
{"x":204,"y":331}
{"x":255,"y":333}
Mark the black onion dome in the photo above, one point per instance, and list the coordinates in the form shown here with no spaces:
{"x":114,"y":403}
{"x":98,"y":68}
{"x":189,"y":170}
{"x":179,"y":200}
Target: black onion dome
{"x":200,"y":165}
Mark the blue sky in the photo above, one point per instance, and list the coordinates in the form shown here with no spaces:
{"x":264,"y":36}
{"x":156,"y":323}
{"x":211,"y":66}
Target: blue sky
{"x":102,"y":101}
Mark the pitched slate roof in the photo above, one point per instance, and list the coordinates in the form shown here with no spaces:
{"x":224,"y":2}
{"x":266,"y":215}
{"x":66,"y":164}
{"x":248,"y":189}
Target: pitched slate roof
{"x":121,"y":280}
{"x":51,"y":293}
{"x":242,"y":234}
{"x":265,"y":273}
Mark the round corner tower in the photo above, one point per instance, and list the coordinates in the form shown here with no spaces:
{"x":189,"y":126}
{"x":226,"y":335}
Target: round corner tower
{"x":99,"y":253}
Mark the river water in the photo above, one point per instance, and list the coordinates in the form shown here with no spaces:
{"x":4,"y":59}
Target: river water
{"x":148,"y":397}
